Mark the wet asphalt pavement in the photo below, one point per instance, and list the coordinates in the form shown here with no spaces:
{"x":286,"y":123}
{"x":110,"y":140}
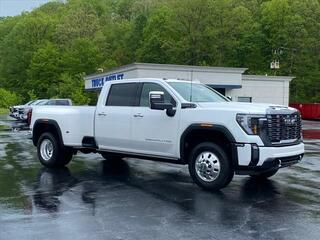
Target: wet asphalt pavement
{"x":138,"y":199}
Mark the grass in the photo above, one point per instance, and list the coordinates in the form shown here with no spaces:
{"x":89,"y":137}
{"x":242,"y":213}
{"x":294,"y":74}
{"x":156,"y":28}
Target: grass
{"x":4,"y":111}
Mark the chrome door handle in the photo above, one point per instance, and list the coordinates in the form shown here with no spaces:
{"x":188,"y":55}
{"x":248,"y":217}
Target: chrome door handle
{"x":138,"y":115}
{"x":102,"y":114}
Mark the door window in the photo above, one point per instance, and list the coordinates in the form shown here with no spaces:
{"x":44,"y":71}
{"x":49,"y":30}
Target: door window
{"x":50,"y":102}
{"x":62,"y":103}
{"x":123,"y":94}
{"x":147,"y":88}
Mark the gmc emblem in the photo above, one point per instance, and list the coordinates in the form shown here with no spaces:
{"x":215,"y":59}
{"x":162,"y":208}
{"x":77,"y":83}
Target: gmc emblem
{"x":290,"y":121}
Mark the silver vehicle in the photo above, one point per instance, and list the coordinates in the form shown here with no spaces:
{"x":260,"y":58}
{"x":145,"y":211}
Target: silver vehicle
{"x":59,"y":102}
{"x":23,"y":113}
{"x":14,"y":110}
{"x":23,"y":110}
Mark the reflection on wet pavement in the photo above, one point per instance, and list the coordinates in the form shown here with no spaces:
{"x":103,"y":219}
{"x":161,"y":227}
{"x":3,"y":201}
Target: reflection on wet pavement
{"x":136,"y":199}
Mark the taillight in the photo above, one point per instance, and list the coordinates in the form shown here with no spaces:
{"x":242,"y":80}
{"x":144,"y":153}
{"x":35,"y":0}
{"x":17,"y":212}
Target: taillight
{"x":29,"y":116}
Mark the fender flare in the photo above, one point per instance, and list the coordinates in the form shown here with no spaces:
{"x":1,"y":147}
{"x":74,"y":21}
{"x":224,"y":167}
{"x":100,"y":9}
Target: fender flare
{"x":219,"y":128}
{"x":47,"y":123}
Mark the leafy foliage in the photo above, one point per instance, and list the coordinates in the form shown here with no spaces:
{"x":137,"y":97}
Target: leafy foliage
{"x":46,"y":53}
{"x":8,"y":98}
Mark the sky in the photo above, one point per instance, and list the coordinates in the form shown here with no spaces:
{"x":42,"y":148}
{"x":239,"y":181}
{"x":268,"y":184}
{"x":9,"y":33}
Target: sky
{"x":15,"y":7}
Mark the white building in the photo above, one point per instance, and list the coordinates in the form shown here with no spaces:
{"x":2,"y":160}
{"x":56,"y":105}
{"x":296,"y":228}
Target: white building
{"x":228,"y":81}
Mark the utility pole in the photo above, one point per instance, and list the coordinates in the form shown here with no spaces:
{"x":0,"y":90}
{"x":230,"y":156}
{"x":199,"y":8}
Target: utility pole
{"x":277,"y":53}
{"x":275,"y":64}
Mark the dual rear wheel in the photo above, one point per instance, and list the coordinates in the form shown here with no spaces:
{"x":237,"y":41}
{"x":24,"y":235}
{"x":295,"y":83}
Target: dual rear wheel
{"x":51,"y":152}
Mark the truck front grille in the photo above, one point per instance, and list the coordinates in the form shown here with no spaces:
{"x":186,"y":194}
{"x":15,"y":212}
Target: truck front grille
{"x":283,"y":128}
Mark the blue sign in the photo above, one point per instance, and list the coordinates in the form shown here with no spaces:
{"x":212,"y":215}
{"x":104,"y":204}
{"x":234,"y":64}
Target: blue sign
{"x":99,"y":82}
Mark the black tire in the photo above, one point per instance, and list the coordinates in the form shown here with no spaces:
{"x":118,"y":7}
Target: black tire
{"x":111,"y":156}
{"x":226,"y":172}
{"x":60,"y":155}
{"x":264,"y":175}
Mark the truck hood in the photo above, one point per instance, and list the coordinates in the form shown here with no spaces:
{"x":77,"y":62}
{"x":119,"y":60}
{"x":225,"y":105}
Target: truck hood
{"x":18,"y":106}
{"x":249,"y":108}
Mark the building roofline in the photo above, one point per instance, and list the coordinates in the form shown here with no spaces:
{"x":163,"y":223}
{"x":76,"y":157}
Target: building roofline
{"x":171,"y":67}
{"x":267,"y":78}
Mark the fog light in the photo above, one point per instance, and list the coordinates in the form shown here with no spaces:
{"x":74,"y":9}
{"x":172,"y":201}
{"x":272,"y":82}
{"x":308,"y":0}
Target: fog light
{"x":254,"y":155}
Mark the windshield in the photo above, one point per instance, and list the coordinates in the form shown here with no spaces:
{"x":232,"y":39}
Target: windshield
{"x":41,"y":102}
{"x":29,"y":103}
{"x":200,"y":92}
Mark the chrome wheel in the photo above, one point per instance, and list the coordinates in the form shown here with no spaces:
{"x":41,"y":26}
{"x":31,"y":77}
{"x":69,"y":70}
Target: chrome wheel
{"x":207,"y":166}
{"x":46,"y":149}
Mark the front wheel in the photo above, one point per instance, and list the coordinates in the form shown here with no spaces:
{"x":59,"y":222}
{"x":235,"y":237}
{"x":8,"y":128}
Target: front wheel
{"x":209,"y":166}
{"x":51,"y":153}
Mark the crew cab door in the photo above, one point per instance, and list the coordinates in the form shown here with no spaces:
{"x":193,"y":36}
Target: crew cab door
{"x":153,"y":131}
{"x":113,"y":120}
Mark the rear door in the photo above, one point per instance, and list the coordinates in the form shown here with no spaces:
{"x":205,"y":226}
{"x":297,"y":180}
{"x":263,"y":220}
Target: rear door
{"x":114,"y":117}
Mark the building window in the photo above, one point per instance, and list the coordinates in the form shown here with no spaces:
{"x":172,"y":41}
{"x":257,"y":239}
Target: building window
{"x":244,"y":99}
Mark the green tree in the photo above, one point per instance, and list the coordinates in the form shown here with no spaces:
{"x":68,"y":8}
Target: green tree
{"x":18,"y":46}
{"x":83,"y":56}
{"x":81,"y":21}
{"x":8,"y":99}
{"x":159,"y":38}
{"x":72,"y":87}
{"x":44,"y":71}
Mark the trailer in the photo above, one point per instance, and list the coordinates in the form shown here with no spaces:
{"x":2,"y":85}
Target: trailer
{"x":309,"y":111}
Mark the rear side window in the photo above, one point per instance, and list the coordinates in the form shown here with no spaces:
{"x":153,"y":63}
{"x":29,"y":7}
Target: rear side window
{"x":62,"y":102}
{"x":123,"y":94}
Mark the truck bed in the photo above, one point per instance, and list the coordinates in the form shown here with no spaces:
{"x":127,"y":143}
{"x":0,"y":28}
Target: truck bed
{"x":74,"y":122}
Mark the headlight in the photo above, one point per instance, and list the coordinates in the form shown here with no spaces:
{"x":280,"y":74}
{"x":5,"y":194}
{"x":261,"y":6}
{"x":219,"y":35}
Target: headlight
{"x":251,"y":123}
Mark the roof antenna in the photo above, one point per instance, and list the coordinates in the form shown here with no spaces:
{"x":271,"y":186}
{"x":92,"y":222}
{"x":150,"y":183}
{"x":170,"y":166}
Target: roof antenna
{"x":191,"y":85}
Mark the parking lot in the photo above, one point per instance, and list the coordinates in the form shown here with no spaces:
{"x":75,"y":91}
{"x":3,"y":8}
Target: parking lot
{"x":138,"y":199}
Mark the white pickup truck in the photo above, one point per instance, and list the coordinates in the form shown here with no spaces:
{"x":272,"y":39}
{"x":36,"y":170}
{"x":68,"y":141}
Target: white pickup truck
{"x":176,"y":121}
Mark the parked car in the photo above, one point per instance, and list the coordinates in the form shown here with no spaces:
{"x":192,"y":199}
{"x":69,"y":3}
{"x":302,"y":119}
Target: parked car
{"x":59,"y":102}
{"x":14,"y":110}
{"x":175,"y":121}
{"x":23,"y":112}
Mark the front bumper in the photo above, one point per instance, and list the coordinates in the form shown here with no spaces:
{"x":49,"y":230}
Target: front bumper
{"x":253,"y":159}
{"x":14,"y":115}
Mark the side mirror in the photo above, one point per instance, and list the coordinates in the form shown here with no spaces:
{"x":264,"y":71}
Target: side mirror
{"x":156,"y":99}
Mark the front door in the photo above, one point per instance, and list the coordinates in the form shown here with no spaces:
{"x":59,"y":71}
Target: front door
{"x":153,"y":131}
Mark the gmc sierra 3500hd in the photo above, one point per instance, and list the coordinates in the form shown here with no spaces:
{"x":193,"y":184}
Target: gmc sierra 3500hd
{"x":177,"y":121}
